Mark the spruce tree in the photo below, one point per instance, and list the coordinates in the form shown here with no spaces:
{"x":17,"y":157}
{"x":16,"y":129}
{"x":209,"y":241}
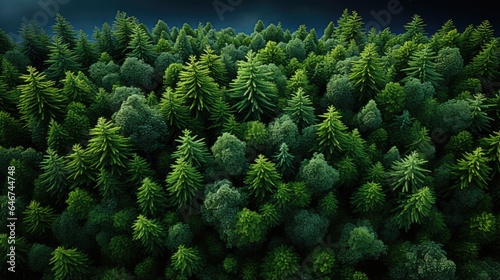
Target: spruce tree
{"x":332,"y":136}
{"x":187,"y":261}
{"x":182,"y":183}
{"x":173,"y":110}
{"x":151,"y":234}
{"x":191,"y":150}
{"x":38,"y":219}
{"x":367,"y":73}
{"x":216,"y":68}
{"x":151,"y":198}
{"x":63,"y":29}
{"x":141,"y":46}
{"x":486,"y":64}
{"x":414,"y":208}
{"x":473,"y":169}
{"x":70,"y":264}
{"x":423,"y":67}
{"x":300,"y":109}
{"x":54,"y":175}
{"x":123,"y":30}
{"x":183,"y":46}
{"x":61,"y":59}
{"x":78,"y":165}
{"x":408,"y":173}
{"x":368,"y":198}
{"x":262,"y":178}
{"x":85,"y":51}
{"x":34,"y":44}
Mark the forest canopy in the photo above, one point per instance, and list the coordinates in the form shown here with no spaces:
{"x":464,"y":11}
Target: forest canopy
{"x":186,"y":152}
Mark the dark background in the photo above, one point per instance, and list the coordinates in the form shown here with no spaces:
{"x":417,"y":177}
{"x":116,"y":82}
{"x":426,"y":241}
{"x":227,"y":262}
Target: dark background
{"x":314,"y":13}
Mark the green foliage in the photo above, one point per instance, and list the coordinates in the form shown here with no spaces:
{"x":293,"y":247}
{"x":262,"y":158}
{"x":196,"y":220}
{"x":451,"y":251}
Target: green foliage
{"x":57,"y":136}
{"x":182,"y":183}
{"x":486,"y":64}
{"x":141,"y":46}
{"x":85,"y":51}
{"x":280,"y":263}
{"x":79,"y":167}
{"x":369,"y":118}
{"x":151,"y":234}
{"x":151,"y":198}
{"x":250,"y":227}
{"x":183,"y":45}
{"x":473,"y":169}
{"x":80,"y":202}
{"x":262,"y":178}
{"x":306,"y":228}
{"x":61,"y":59}
{"x":359,"y":242}
{"x":191,"y":150}
{"x":292,"y":194}
{"x":415,"y":207}
{"x":135,"y":72}
{"x":54,"y":177}
{"x":423,"y":68}
{"x":187,"y":261}
{"x":407,"y":173}
{"x":253,"y":88}
{"x":318,"y":175}
{"x":283,"y":130}
{"x":369,"y":198}
{"x":38,"y":219}
{"x":332,"y":137}
{"x":69,"y":263}
{"x":39,"y":257}
{"x":391,"y":99}
{"x":492,"y":149}
{"x":367,"y":74}
{"x":229,"y":154}
{"x":173,"y":110}
{"x":284,"y":160}
{"x":483,"y":227}
{"x":179,"y":234}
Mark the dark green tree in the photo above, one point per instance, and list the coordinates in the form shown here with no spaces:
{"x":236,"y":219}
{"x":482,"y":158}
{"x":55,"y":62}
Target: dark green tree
{"x":85,"y":51}
{"x":63,"y":29}
{"x":368,"y":198}
{"x":280,"y":263}
{"x":253,"y":89}
{"x":216,"y":68}
{"x":414,"y":208}
{"x":80,"y":202}
{"x":141,"y":46}
{"x":486,"y":64}
{"x":332,"y":136}
{"x":306,"y":228}
{"x":34,"y":43}
{"x":359,"y":242}
{"x":318,"y":175}
{"x":284,"y":160}
{"x":135,"y":72}
{"x":300,"y":109}
{"x":408,"y":173}
{"x":173,"y":110}
{"x":179,"y":234}
{"x":229,"y":154}
{"x":151,"y":198}
{"x":38,"y":219}
{"x":250,"y":227}
{"x":123,"y":28}
{"x":422,"y":67}
{"x":61,"y":59}
{"x":191,"y":150}
{"x":183,"y":45}
{"x":473,"y":169}
{"x":79,"y":167}
{"x":187,"y":260}
{"x":54,"y":175}
{"x":415,"y":30}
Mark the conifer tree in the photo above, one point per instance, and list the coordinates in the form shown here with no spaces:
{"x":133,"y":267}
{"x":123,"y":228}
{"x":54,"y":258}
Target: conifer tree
{"x":491,"y":146}
{"x":54,"y":177}
{"x":123,"y":30}
{"x":331,"y":132}
{"x":85,"y":51}
{"x":284,"y":160}
{"x":77,"y":89}
{"x":415,"y":30}
{"x":262,"y":178}
{"x":369,"y":198}
{"x":78,"y":165}
{"x":63,"y":29}
{"x":414,"y":208}
{"x":141,"y":46}
{"x":423,"y":67}
{"x":191,"y":150}
{"x":473,"y":169}
{"x":250,"y":227}
{"x":220,"y":115}
{"x":61,"y":59}
{"x":173,"y":110}
{"x":183,"y":45}
{"x":138,"y":169}
{"x":70,"y":264}
{"x":367,"y":73}
{"x":151,"y":198}
{"x":280,"y":263}
{"x":187,"y":261}
{"x":34,"y":43}
{"x":182,"y":183}
{"x":487,"y":63}
{"x":408,"y":173}
{"x":39,"y":100}
{"x":300,"y":109}
{"x":216,"y":68}
{"x":57,"y":138}
{"x":197,"y":87}
{"x":253,"y":89}
{"x":80,"y":202}
{"x":107,"y":148}
{"x":38,"y":219}
{"x":151,"y":234}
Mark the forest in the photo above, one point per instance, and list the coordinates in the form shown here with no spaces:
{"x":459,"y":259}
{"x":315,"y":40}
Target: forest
{"x":168,"y":152}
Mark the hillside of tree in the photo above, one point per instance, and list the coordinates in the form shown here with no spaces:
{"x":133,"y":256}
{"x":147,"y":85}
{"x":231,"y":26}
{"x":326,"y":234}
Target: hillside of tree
{"x":187,"y":152}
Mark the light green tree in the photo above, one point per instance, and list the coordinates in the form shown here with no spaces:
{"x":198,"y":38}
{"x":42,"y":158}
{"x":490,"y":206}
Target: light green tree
{"x":151,"y":198}
{"x":70,"y":264}
{"x":262,"y":178}
{"x":151,"y":234}
{"x":408,"y":173}
{"x":182,"y":183}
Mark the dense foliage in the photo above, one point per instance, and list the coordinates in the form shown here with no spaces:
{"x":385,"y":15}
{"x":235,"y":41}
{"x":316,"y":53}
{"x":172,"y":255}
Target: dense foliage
{"x":194,"y":153}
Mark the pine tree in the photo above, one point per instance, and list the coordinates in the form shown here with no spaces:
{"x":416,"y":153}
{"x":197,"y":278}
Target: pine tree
{"x":369,"y":198}
{"x":61,"y":59}
{"x":367,"y":73}
{"x":57,"y":138}
{"x":141,"y":46}
{"x":216,"y":68}
{"x":191,"y":150}
{"x":182,"y":183}
{"x":6,"y":43}
{"x":491,"y":146}
{"x":253,"y":88}
{"x":34,"y":43}
{"x":151,"y":235}
{"x":161,"y":31}
{"x":284,"y":160}
{"x":183,"y":45}
{"x":77,"y":89}
{"x":262,"y":178}
{"x":414,"y":208}
{"x":187,"y":261}
{"x":331,"y":132}
{"x":415,"y":30}
{"x":63,"y":29}
{"x":70,"y":264}
{"x":328,"y":32}
{"x":85,"y":51}
{"x":38,"y":219}
{"x":39,"y":100}
{"x":300,"y":109}
{"x":108,"y":184}
{"x":78,"y":165}
{"x":220,"y":115}
{"x":106,"y":40}
{"x":350,"y":28}
{"x":123,"y":30}
{"x":486,"y":64}
{"x":151,"y":198}
{"x":173,"y":110}
{"x":423,"y":67}
{"x":54,"y":177}
{"x":408,"y":173}
{"x":138,"y":169}
{"x":473,"y":169}
{"x":107,"y":148}
{"x":197,"y":87}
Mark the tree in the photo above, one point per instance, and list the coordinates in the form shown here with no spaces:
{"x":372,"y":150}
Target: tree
{"x":70,"y":264}
{"x":187,"y":261}
{"x":191,"y":150}
{"x":368,"y":198}
{"x":340,"y":92}
{"x":61,"y":59}
{"x":39,"y":100}
{"x":54,"y":177}
{"x":229,"y":154}
{"x":420,"y":261}
{"x":39,"y":257}
{"x":182,"y":183}
{"x":141,"y":124}
{"x":367,"y":74}
{"x":173,"y":110}
{"x":250,"y":227}
{"x":262,"y":178}
{"x":271,"y":53}
{"x":253,"y":88}
{"x":486,"y":64}
{"x":107,"y":148}
{"x":183,"y":45}
{"x":280,"y":263}
{"x":423,"y":67}
{"x":359,"y":242}
{"x":284,"y":160}
{"x":491,"y":146}
{"x":151,"y":234}
{"x":77,"y":89}
{"x":408,"y":173}
{"x":391,"y":99}
{"x":197,"y":87}
{"x":79,"y":167}
{"x":415,"y":30}
{"x":483,"y":228}
{"x":38,"y":219}
{"x":6,"y":43}
{"x":179,"y":235}
{"x":369,"y":118}
{"x":306,"y":228}
{"x":220,"y":115}
{"x":332,"y":137}
{"x":34,"y":43}
{"x":283,"y":130}
{"x":300,"y":109}
{"x":151,"y":198}
{"x":80,"y":203}
{"x":161,"y":31}
{"x":414,"y":208}
{"x":123,"y":29}
{"x":473,"y":169}
{"x":85,"y":51}
{"x":216,"y":68}
{"x":350,"y":28}
{"x":318,"y":175}
{"x":139,"y":169}
{"x":141,"y":46}
{"x":63,"y":29}
{"x":136,"y":73}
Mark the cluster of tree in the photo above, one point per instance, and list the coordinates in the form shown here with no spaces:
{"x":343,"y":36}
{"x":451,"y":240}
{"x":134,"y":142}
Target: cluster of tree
{"x":183,"y":153}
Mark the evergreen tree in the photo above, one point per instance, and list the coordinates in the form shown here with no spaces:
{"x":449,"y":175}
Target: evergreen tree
{"x":61,"y":59}
{"x":486,"y":64}
{"x":138,"y":169}
{"x":77,"y":89}
{"x":216,"y":68}
{"x":328,"y":32}
{"x":491,"y":146}
{"x":39,"y":100}
{"x":423,"y":67}
{"x":151,"y":198}
{"x":182,"y":183}
{"x":415,"y":30}
{"x":331,"y":132}
{"x":151,"y":234}
{"x":105,"y":39}
{"x":80,"y":203}
{"x":271,"y":53}
{"x":106,"y":148}
{"x":369,"y":198}
{"x":63,"y":29}
{"x":34,"y":44}
{"x":70,"y":264}
{"x":183,"y":45}
{"x":38,"y":219}
{"x":123,"y":30}
{"x":284,"y":160}
{"x":473,"y":169}
{"x":85,"y":51}
{"x":250,"y":227}
{"x":229,"y":154}
{"x":391,"y":99}
{"x":191,"y":150}
{"x":141,"y":46}
{"x":57,"y":138}
{"x":300,"y":109}
{"x":414,"y":208}
{"x":197,"y":87}
{"x":6,"y":43}
{"x":367,"y":73}
{"x":350,"y":28}
{"x":359,"y":242}
{"x":221,"y":114}
{"x":408,"y":173}
{"x":54,"y":177}
{"x":79,"y":167}
{"x":187,"y":261}
{"x":253,"y":88}
{"x":173,"y":110}
{"x":280,"y":263}
{"x":161,"y":31}
{"x":369,"y":118}
{"x":262,"y":178}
